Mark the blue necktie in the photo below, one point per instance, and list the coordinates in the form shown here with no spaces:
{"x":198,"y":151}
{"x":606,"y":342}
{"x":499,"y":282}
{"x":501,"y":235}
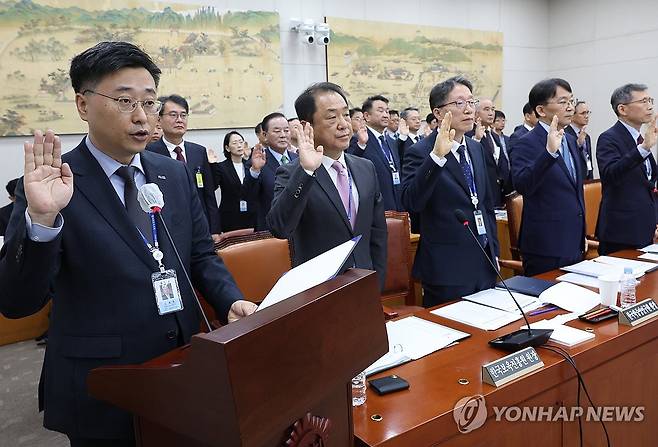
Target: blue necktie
{"x":468,"y":175}
{"x":385,"y":148}
{"x":567,"y":158}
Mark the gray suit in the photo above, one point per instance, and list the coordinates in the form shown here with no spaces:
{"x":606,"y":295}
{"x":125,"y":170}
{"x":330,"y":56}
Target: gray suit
{"x":308,"y":210}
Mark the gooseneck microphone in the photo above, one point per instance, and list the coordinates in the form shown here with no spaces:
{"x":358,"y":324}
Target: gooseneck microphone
{"x":522,"y":338}
{"x":152,"y":201}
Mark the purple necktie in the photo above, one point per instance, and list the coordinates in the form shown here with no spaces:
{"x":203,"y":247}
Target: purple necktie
{"x":343,"y":186}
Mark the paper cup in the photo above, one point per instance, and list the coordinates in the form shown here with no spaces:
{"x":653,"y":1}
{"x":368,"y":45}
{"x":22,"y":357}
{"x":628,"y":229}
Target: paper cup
{"x":608,"y":289}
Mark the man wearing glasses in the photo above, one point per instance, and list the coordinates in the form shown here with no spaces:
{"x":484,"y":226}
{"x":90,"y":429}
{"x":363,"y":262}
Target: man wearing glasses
{"x":627,"y":217}
{"x":442,"y":173}
{"x":173,"y":119}
{"x":578,"y":130}
{"x":74,"y":236}
{"x":548,"y":170}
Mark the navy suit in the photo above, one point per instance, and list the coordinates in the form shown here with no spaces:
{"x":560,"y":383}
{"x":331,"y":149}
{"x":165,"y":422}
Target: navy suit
{"x":585,"y":151}
{"x":196,"y":160}
{"x":627,"y":216}
{"x":519,"y":131}
{"x":233,"y":191}
{"x":304,"y":204}
{"x":374,"y":153}
{"x":553,"y":223}
{"x":98,"y":273}
{"x":498,"y":172}
{"x":265,"y":188}
{"x":448,"y":261}
{"x":5,"y":214}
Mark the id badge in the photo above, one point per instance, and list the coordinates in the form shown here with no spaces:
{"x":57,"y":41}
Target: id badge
{"x":199,"y":180}
{"x":589,"y":165}
{"x":396,"y":177}
{"x":167,"y":293}
{"x":479,"y":222}
{"x":243,"y":206}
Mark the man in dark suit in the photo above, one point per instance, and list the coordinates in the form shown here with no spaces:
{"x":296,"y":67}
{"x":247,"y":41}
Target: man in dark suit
{"x":327,"y":189}
{"x":495,"y":157}
{"x":628,"y":213}
{"x":443,"y":173}
{"x":5,"y":211}
{"x":277,"y":140}
{"x":577,"y":129}
{"x":548,"y":171}
{"x":408,"y":131}
{"x":74,"y":237}
{"x":173,"y":119}
{"x":529,"y":122}
{"x":377,"y":148}
{"x":503,"y":142}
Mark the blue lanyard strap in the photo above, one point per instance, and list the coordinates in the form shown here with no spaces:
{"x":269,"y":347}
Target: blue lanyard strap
{"x":154,"y":233}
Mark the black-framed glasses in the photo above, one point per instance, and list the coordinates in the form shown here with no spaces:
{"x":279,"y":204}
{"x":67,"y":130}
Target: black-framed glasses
{"x":126,"y":104}
{"x":461,"y":103}
{"x":564,"y":102}
{"x":643,"y":101}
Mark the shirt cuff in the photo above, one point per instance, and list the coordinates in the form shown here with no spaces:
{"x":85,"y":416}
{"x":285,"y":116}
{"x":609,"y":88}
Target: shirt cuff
{"x":254,"y":174}
{"x":553,"y":154}
{"x":643,"y":152}
{"x":41,"y":233}
{"x":403,"y":137}
{"x":362,"y":147}
{"x":441,"y":161}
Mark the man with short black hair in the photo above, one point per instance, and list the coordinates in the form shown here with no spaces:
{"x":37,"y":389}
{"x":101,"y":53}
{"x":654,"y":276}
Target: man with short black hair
{"x":377,"y":148}
{"x":628,"y":213}
{"x":75,"y":237}
{"x":578,"y":130}
{"x":5,"y":211}
{"x":529,"y":122}
{"x":327,"y":189}
{"x":173,"y":120}
{"x":548,"y":170}
{"x":408,"y":131}
{"x":443,"y":173}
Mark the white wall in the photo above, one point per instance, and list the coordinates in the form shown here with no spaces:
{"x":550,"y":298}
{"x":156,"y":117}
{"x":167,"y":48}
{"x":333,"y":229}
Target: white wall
{"x":599,"y":46}
{"x":524,"y":25}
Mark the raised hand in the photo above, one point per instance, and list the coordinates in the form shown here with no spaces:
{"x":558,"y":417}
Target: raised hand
{"x":258,"y":157}
{"x":479,"y":130}
{"x":310,"y":157}
{"x":554,"y":139}
{"x":444,"y":137}
{"x":650,"y":134}
{"x":403,"y":129}
{"x":48,"y":183}
{"x":362,"y":135}
{"x":212,"y":157}
{"x":581,"y":136}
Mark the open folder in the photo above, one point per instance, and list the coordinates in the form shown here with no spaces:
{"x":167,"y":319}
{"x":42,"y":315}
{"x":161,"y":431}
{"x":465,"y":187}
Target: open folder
{"x":311,"y":273}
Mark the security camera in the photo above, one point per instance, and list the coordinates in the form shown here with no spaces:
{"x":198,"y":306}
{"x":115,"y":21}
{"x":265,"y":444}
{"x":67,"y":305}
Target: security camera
{"x":322,"y":34}
{"x":306,"y":30}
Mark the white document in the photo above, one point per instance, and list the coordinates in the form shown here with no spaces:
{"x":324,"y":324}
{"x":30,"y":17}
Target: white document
{"x":596,"y":269}
{"x":653,"y":248}
{"x":412,"y":338}
{"x":476,"y":315}
{"x":581,"y":280}
{"x":500,"y":299}
{"x":309,"y":274}
{"x":570,"y":297}
{"x":637,"y":266}
{"x":649,"y":256}
{"x":565,"y":335}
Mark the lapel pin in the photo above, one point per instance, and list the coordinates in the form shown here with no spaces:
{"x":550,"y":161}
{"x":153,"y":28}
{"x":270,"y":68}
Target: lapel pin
{"x":162,"y":177}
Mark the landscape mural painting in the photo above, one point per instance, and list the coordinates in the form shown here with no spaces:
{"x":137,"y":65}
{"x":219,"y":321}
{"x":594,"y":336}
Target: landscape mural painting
{"x":227,"y":64}
{"x":365,"y":61}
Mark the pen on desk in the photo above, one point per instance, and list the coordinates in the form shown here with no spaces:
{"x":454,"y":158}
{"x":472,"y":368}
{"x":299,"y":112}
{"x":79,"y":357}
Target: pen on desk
{"x":542,"y":310}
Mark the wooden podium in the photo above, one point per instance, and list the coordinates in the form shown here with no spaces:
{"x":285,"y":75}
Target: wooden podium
{"x":253,"y":382}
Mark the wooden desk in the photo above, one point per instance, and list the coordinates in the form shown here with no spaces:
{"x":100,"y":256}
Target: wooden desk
{"x":619,"y":368}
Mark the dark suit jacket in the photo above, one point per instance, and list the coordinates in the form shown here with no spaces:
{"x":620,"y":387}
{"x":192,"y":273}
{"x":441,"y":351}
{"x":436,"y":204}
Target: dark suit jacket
{"x":503,"y":167}
{"x":373,"y":152}
{"x":628,"y":204}
{"x":497,"y":173}
{"x":519,"y":131}
{"x":447,"y":254}
{"x":308,"y":211}
{"x":553,"y":222}
{"x":5,"y":214}
{"x":98,"y":273}
{"x":197,"y":161}
{"x":265,"y":189}
{"x":233,"y":192}
{"x":585,"y":151}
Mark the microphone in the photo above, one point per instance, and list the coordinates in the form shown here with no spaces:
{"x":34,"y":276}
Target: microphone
{"x":151,"y":200}
{"x":522,"y":338}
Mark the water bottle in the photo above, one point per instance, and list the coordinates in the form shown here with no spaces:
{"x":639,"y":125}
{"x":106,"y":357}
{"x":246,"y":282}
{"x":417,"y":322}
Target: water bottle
{"x":628,"y":288}
{"x":359,"y":389}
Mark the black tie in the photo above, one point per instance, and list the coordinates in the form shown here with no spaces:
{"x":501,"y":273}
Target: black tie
{"x":137,"y":216}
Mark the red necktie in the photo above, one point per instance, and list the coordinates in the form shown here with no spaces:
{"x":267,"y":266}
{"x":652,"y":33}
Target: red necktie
{"x":179,"y":154}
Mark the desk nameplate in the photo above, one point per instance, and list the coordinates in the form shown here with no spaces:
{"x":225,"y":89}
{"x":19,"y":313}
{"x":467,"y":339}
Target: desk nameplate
{"x":510,"y":367}
{"x":638,"y":313}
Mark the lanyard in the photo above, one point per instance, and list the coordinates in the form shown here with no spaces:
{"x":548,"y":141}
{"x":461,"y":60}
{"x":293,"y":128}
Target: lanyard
{"x":349,"y":200}
{"x":389,"y":154}
{"x":155,"y":248}
{"x":470,"y":180}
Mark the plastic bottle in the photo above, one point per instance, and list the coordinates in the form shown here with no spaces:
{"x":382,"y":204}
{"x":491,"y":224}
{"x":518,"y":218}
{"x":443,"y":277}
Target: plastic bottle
{"x":628,"y":288}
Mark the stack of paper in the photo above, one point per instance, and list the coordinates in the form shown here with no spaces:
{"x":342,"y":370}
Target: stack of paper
{"x":653,"y":248}
{"x":412,"y":338}
{"x":596,"y":268}
{"x":500,"y":299}
{"x":649,"y":256}
{"x":476,"y":315}
{"x":581,"y":280}
{"x":637,"y":266}
{"x":570,"y":297}
{"x":565,"y":335}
